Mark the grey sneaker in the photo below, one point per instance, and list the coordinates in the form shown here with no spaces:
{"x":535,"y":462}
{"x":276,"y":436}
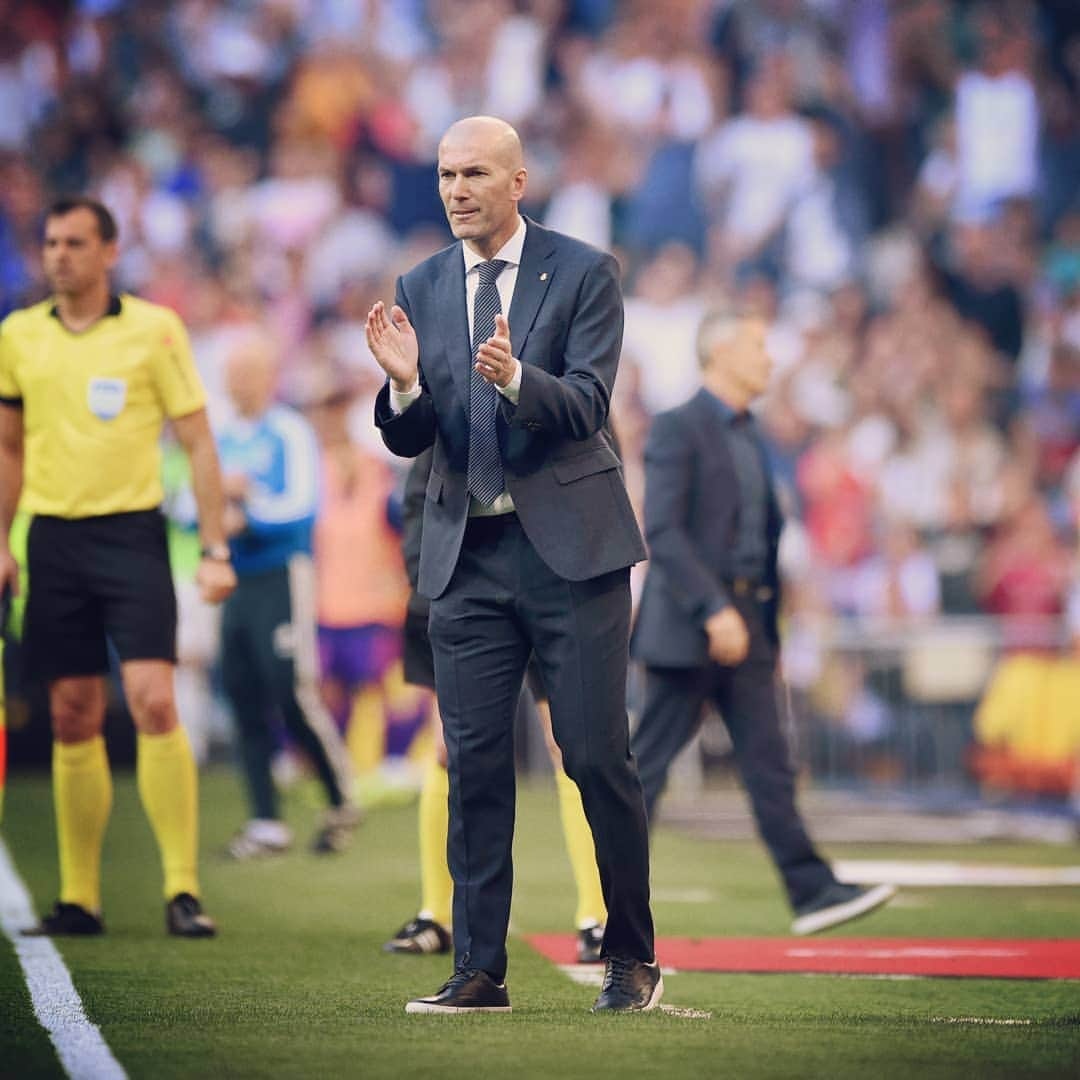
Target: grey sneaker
{"x":839,"y":903}
{"x":260,"y":838}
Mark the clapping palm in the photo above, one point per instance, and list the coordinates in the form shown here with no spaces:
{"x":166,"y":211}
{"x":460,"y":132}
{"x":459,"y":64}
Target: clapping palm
{"x":393,"y":343}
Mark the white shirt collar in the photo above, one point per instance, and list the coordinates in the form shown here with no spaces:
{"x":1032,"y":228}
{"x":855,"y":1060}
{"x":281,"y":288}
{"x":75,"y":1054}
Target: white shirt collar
{"x":510,"y":252}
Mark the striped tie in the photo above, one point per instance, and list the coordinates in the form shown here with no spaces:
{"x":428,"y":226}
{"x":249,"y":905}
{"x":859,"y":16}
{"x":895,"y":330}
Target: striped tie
{"x":485,"y":466}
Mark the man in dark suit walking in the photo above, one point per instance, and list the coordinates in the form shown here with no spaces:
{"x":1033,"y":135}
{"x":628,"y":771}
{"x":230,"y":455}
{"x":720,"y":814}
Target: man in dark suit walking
{"x":706,"y":628}
{"x":501,"y":351}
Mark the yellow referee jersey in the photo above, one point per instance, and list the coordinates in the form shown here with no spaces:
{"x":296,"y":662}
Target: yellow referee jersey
{"x":94,"y":403}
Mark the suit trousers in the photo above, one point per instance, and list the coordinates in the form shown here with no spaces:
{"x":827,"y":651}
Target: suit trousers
{"x":746,"y":697}
{"x":503,"y":603}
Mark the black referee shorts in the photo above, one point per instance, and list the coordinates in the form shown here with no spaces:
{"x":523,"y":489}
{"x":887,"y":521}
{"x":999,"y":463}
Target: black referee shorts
{"x":93,"y":579}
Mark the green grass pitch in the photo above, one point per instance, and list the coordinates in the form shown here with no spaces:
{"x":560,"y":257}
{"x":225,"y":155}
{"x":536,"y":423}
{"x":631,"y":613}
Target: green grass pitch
{"x":296,"y":985}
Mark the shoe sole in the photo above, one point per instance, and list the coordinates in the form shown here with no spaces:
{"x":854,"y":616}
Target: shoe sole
{"x":416,"y":1008}
{"x":657,"y":994}
{"x":842,"y":913}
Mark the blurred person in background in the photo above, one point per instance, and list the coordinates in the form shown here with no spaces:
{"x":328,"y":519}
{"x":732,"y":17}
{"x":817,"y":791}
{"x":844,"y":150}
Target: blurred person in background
{"x":269,"y":649}
{"x":706,"y":628}
{"x":429,"y":931}
{"x":664,"y":307}
{"x":87,"y":378}
{"x":362,"y":587}
{"x":751,"y":168}
{"x":1025,"y":573}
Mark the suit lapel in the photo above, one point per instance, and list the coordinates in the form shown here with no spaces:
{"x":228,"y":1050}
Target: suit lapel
{"x":454,"y":320}
{"x":534,"y":276}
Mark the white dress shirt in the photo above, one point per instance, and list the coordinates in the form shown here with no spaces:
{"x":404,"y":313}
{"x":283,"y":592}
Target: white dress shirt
{"x":510,"y":253}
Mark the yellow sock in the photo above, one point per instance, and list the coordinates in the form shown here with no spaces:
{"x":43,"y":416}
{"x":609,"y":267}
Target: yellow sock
{"x":366,"y":732}
{"x":591,"y":909}
{"x":169,"y":789}
{"x":436,"y":885}
{"x":82,"y":795}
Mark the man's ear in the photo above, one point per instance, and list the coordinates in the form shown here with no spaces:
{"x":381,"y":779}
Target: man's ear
{"x":521,"y":179}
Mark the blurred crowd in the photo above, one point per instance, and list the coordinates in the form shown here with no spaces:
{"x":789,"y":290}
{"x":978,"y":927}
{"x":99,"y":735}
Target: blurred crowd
{"x":894,"y":183}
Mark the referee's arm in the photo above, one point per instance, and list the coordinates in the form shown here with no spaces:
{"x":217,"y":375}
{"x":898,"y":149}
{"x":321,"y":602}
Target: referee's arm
{"x":11,"y":474}
{"x":215,"y":576}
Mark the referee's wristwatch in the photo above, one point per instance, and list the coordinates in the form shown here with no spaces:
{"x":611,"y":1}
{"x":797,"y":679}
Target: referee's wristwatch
{"x":217,"y":552}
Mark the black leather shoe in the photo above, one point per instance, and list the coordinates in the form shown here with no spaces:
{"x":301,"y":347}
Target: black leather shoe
{"x":420,"y":936}
{"x":465,"y":992}
{"x":589,"y":943}
{"x":630,"y":986}
{"x":67,"y":920}
{"x":184,"y":918}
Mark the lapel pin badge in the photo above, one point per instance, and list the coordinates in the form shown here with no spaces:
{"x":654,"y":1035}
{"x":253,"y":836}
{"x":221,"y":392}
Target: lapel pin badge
{"x":543,"y":276}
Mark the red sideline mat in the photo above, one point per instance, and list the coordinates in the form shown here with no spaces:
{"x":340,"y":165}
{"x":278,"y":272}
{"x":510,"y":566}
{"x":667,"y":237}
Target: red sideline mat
{"x":990,"y":958}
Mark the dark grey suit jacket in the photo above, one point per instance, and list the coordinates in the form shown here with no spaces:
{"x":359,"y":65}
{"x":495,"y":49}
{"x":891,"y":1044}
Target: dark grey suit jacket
{"x":691,"y":524}
{"x":566,"y":482}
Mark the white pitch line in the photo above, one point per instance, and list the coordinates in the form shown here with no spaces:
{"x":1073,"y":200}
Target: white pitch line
{"x":83,"y":1053}
{"x":944,"y":874}
{"x":980,"y":1020}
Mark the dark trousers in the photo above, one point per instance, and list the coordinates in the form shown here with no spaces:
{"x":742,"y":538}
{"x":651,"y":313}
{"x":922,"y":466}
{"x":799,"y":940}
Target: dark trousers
{"x":269,"y":664}
{"x":745,"y":696}
{"x":502,"y":603}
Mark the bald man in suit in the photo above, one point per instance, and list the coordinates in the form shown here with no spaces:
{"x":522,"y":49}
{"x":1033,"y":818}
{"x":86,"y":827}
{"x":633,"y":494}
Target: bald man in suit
{"x":501,"y":352}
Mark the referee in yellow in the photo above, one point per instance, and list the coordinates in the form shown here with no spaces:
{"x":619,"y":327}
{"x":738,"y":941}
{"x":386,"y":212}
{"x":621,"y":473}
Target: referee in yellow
{"x":87,"y":379}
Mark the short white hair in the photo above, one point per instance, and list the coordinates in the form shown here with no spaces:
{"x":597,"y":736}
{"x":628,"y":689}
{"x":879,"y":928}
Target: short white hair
{"x":718,"y":326}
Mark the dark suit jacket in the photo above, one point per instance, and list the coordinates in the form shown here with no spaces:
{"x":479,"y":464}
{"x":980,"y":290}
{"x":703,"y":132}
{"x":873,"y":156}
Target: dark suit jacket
{"x":412,"y":515}
{"x":691,"y":523}
{"x":566,"y":482}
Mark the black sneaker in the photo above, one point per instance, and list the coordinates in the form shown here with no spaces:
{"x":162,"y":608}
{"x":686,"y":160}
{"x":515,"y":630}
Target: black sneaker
{"x":590,"y":941}
{"x":839,"y":903}
{"x":465,"y":992}
{"x":630,"y":986}
{"x":184,"y":918}
{"x":67,"y":920}
{"x":420,"y":936}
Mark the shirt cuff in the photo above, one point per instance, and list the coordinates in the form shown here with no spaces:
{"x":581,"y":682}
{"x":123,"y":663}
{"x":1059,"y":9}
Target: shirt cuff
{"x":512,"y":390}
{"x":400,"y":400}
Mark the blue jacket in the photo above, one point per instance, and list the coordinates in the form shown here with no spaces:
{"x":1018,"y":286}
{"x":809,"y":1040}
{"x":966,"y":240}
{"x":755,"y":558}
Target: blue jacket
{"x":566,"y":482}
{"x":279,"y":455}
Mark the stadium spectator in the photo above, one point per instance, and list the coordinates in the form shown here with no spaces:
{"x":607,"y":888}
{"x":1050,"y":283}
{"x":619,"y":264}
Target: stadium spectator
{"x":751,"y":168}
{"x":83,"y":451}
{"x":269,"y":650}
